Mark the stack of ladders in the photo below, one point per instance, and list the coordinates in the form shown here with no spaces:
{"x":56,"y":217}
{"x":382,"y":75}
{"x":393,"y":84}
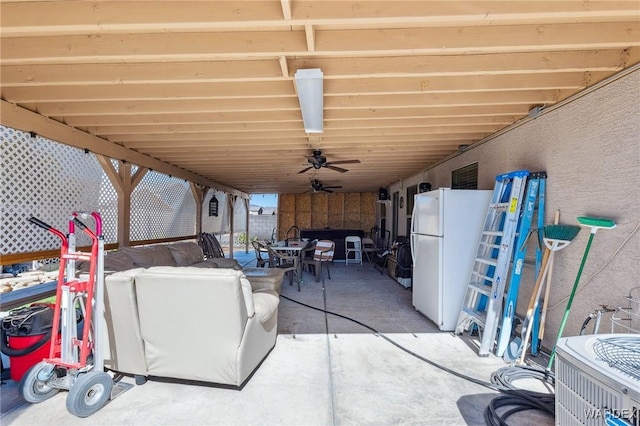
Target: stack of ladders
{"x":534,"y":201}
{"x":482,"y":305}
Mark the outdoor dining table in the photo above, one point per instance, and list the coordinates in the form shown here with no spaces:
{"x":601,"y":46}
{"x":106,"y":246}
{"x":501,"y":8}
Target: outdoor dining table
{"x":292,"y":249}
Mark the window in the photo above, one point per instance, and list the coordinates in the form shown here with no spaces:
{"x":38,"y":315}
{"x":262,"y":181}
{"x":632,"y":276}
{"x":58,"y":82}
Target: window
{"x":395,"y":200}
{"x":411,"y":192}
{"x":465,"y":177}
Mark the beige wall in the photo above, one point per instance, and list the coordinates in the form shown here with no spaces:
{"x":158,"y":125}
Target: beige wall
{"x":590,"y":149}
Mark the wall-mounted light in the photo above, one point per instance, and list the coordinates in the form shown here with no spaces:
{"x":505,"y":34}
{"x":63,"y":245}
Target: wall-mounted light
{"x":310,"y":92}
{"x":535,"y":111}
{"x":213,"y":206}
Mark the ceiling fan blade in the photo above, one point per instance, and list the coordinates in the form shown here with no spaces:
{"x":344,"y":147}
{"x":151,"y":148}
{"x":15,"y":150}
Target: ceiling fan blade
{"x":330,"y":163}
{"x":332,"y":187}
{"x":304,"y":170}
{"x":337,"y":169}
{"x":326,"y":190}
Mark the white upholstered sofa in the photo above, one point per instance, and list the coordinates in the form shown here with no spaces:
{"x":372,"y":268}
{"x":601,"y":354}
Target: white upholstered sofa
{"x":171,"y":313}
{"x":204,"y":324}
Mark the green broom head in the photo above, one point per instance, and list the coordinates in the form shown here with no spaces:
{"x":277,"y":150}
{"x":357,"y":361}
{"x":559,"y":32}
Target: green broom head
{"x":561,"y":232}
{"x":596,"y":223}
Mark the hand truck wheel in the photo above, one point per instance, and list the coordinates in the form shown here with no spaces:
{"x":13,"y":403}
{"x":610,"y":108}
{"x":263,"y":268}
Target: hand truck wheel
{"x":33,"y":389}
{"x":89,"y":393}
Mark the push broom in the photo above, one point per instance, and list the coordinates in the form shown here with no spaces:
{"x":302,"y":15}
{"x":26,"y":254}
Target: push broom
{"x":594,"y":224}
{"x":556,"y":237}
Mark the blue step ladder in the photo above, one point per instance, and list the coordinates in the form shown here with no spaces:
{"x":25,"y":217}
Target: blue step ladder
{"x":534,"y":201}
{"x":482,"y":306}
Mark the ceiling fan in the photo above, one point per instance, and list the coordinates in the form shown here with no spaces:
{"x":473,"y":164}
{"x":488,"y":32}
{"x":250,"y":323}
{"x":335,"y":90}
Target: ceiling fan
{"x":317,"y":160}
{"x":317,"y":186}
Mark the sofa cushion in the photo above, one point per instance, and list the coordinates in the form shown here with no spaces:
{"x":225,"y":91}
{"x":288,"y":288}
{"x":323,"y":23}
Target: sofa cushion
{"x":186,"y":253}
{"x":210,"y":274}
{"x":223,"y":262}
{"x":146,"y":257}
{"x":118,"y":261}
{"x":114,"y":261}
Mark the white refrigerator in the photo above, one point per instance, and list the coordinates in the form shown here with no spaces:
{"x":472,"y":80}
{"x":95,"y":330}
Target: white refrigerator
{"x":445,"y":230}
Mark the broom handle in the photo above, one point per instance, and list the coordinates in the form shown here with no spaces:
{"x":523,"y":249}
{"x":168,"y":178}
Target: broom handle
{"x":535,"y":294}
{"x":573,"y":293}
{"x":547,"y":291}
{"x":545,"y":303}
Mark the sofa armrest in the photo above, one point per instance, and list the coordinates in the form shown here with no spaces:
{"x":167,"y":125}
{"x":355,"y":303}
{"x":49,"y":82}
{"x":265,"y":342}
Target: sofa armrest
{"x":265,"y":278}
{"x":266,"y":304}
{"x":123,"y":344}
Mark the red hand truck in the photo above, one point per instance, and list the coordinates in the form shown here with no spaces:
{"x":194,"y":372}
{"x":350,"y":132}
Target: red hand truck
{"x":75,"y":363}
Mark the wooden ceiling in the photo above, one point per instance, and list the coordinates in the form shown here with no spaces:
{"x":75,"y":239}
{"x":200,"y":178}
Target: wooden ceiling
{"x":208,"y":85}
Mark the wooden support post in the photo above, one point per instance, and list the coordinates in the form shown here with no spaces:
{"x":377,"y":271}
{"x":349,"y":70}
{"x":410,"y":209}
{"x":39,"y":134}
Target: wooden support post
{"x":198,"y":192}
{"x":231,"y":202}
{"x":124,"y":184}
{"x":247,"y":207}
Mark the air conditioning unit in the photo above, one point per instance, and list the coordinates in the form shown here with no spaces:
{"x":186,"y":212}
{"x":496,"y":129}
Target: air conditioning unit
{"x":598,"y":380}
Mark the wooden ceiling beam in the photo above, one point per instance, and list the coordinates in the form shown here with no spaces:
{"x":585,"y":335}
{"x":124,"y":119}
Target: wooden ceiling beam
{"x":177,"y":106}
{"x":349,"y":42}
{"x":100,"y":17}
{"x":381,"y":155}
{"x":259,"y":105}
{"x":284,"y":125}
{"x":236,"y":117}
{"x":442,"y":99}
{"x":151,"y":72}
{"x":275,"y":89}
{"x":268,"y":70}
{"x":342,"y":140}
{"x":295,"y":116}
{"x":268,"y":137}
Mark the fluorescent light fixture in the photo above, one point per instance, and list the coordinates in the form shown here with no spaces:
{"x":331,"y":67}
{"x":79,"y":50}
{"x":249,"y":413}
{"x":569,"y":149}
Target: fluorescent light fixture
{"x":309,"y":86}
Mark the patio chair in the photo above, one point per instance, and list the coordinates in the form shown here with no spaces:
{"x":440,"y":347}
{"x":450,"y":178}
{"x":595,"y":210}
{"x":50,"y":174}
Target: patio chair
{"x":369,"y":249}
{"x":353,"y":246}
{"x":306,"y":254}
{"x":261,"y":250}
{"x":210,"y":246}
{"x":322,"y":254}
{"x":288,"y":263}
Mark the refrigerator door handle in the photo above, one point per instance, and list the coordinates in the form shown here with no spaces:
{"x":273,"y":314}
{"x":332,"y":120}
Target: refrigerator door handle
{"x":414,"y":247}
{"x":414,"y":221}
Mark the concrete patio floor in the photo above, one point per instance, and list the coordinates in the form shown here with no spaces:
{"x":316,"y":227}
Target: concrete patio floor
{"x":324,"y":370}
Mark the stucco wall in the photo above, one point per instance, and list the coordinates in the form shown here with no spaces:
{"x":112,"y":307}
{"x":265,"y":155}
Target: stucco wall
{"x":590,"y":149}
{"x":262,"y":226}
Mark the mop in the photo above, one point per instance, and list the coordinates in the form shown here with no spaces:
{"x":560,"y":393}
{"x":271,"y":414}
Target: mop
{"x":594,"y":224}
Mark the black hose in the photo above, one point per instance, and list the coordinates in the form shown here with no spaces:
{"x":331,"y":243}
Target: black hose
{"x":520,"y":399}
{"x":502,"y":380}
{"x":399,"y":346}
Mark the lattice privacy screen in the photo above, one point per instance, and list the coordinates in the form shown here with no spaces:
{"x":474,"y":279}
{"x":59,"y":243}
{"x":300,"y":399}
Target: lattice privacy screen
{"x":162,"y":207}
{"x":49,"y":180}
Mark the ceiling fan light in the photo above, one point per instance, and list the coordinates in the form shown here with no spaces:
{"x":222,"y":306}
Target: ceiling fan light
{"x":310,"y":92}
